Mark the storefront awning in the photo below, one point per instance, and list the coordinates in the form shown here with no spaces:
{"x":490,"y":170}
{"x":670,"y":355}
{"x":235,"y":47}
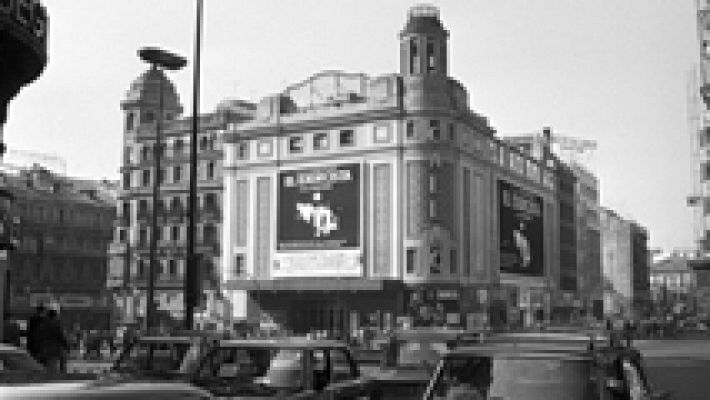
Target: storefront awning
{"x":308,"y":284}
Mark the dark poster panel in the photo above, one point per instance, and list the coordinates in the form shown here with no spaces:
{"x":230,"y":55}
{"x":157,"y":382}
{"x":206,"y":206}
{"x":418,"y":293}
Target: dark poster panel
{"x":521,"y":231}
{"x":319,"y":208}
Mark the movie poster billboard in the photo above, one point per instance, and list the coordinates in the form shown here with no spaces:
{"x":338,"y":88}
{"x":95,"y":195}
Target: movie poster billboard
{"x":319,"y":208}
{"x":520,"y":230}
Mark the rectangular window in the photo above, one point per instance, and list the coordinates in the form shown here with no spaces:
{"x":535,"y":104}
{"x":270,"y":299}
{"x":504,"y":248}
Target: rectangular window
{"x":347,"y":137}
{"x":264,"y":148}
{"x":433,"y":184}
{"x":414,"y":57}
{"x":172,"y":268}
{"x":146,"y":177}
{"x":161,"y":176}
{"x":210,"y":170}
{"x":295,"y":144}
{"x":411,"y":260}
{"x":452,"y":130}
{"x":143,"y":237}
{"x":320,"y":141}
{"x":177,"y":172}
{"x":126,"y":180}
{"x":410,"y":129}
{"x":381,"y":134}
{"x":430,"y":57}
{"x":453,"y":261}
{"x":122,"y":235}
{"x":242,"y":153}
{"x":239,"y":265}
{"x":435,"y":131}
{"x":175,"y":233}
{"x":432,"y":209}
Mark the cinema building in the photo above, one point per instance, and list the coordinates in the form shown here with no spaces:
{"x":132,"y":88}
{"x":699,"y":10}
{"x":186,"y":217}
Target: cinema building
{"x":352,"y":200}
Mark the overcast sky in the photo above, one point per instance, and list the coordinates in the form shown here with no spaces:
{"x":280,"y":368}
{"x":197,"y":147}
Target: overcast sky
{"x":607,"y":70}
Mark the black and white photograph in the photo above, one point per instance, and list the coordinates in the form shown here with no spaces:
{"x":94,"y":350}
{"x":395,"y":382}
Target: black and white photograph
{"x":335,"y":199}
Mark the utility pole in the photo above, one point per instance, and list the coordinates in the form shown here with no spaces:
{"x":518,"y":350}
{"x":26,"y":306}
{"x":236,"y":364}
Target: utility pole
{"x":191,"y":283}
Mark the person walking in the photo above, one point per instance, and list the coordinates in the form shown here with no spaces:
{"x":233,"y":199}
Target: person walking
{"x":53,"y":343}
{"x":34,"y":325}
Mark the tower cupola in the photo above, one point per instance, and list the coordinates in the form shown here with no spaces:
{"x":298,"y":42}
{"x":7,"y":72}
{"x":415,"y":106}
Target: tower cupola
{"x":423,"y":43}
{"x":142,"y":102}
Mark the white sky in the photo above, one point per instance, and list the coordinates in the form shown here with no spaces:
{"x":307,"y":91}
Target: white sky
{"x":608,"y":70}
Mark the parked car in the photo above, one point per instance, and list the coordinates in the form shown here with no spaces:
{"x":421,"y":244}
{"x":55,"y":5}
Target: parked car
{"x":168,"y":357}
{"x":408,"y":358}
{"x":17,"y":366}
{"x":537,"y":367}
{"x":293,"y":368}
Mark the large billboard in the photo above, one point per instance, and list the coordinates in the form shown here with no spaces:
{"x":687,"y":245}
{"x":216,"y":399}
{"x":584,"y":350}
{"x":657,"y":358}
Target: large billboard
{"x":520,"y":230}
{"x":319,"y":208}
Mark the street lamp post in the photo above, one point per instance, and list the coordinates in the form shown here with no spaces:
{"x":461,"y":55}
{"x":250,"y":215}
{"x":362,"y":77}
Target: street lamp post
{"x":159,"y":60}
{"x":192,"y":276}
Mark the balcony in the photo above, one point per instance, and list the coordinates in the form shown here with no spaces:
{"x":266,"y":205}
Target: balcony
{"x":122,"y":221}
{"x":207,"y":246}
{"x":172,"y":247}
{"x":175,"y":215}
{"x":144,"y":216}
{"x":118,"y":248}
{"x":210,"y":213}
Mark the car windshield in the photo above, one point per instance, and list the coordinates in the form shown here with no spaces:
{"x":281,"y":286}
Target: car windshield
{"x":18,"y":362}
{"x":253,"y":369}
{"x":155,"y":357}
{"x":420,"y":353}
{"x":511,"y":378}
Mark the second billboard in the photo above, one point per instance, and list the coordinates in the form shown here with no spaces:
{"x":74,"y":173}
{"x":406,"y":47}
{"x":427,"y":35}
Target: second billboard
{"x":521,"y":231}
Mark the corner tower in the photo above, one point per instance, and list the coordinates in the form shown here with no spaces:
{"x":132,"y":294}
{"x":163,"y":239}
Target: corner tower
{"x":423,"y":43}
{"x":142,"y":102}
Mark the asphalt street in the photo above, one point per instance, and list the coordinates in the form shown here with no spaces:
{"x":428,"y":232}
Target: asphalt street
{"x":680,"y":366}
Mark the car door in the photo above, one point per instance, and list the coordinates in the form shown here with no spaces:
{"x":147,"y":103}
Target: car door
{"x":345,"y":382}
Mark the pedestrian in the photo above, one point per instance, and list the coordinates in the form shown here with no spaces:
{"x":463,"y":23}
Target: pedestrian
{"x":34,"y":325}
{"x":53,"y":343}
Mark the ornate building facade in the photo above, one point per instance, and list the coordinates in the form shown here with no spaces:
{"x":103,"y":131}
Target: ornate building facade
{"x":352,"y":200}
{"x":63,"y":226}
{"x":129,"y":251}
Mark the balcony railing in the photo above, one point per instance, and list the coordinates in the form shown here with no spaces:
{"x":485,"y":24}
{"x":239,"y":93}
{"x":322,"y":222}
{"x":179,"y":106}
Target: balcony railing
{"x":210,"y":213}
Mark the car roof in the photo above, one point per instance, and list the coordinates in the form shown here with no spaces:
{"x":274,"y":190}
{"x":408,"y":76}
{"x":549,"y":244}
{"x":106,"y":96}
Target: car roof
{"x":429,"y":333}
{"x":167,"y":339}
{"x":518,"y":352}
{"x":289,"y":342}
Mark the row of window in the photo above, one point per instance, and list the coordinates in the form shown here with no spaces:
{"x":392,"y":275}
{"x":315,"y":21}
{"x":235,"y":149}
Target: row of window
{"x":176,"y":233}
{"x":179,"y":147}
{"x":172,"y":269}
{"x":58,"y":272}
{"x":179,"y":173}
{"x":37,"y":244}
{"x":59,"y":215}
{"x":170,"y":204}
{"x":346,"y":138}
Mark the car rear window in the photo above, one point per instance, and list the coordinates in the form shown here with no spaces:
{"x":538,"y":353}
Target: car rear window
{"x":510,"y":378}
{"x":256,"y":369}
{"x":152,"y":357}
{"x":416,"y":353}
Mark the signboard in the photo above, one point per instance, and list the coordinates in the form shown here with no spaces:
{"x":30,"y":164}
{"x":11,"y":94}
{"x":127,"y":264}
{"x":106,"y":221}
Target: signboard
{"x":319,"y":208}
{"x":520,"y":230}
{"x":340,"y":263}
